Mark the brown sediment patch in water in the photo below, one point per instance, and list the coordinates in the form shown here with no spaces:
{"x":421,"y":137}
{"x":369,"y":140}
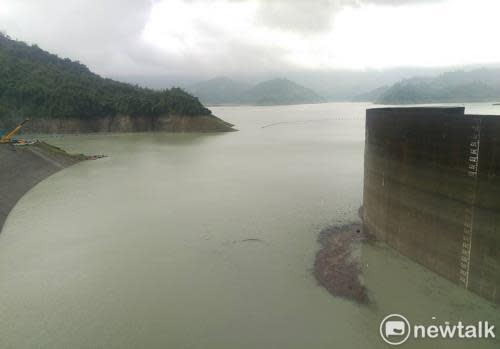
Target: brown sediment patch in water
{"x":336,"y":267}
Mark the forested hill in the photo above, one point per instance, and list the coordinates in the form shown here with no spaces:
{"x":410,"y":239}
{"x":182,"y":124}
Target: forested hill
{"x":37,"y":84}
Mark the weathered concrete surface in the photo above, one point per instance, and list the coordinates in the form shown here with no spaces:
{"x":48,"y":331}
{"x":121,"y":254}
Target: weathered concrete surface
{"x":424,"y":196}
{"x":127,"y":123}
{"x":21,"y":168}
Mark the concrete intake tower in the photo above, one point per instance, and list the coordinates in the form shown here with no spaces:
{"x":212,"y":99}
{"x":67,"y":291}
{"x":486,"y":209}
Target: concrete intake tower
{"x":432,"y":191}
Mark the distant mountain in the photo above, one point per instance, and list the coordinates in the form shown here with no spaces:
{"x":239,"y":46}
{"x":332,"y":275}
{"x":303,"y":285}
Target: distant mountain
{"x":223,"y":90}
{"x":280,"y":92}
{"x":220,"y":90}
{"x":478,"y":85}
{"x":372,"y":95}
{"x":332,"y":85}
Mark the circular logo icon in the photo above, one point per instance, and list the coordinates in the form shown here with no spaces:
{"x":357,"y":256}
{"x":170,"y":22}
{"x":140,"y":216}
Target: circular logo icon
{"x":395,"y":329}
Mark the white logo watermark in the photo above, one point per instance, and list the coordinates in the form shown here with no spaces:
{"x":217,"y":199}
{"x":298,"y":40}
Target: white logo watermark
{"x":395,"y":329}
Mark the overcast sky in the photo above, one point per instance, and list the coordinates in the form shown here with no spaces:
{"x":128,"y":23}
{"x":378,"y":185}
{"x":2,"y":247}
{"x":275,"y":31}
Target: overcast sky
{"x":225,"y":37}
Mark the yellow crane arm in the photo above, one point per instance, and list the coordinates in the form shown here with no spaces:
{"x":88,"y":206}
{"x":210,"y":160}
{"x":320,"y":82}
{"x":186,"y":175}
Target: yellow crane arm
{"x":8,"y":137}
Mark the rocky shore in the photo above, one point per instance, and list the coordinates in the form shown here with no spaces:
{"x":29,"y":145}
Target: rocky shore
{"x":337,"y":267}
{"x":127,"y":123}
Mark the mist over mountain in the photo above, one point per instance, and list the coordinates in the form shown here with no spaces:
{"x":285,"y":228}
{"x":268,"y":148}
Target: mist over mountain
{"x":280,"y":92}
{"x":220,"y":90}
{"x":223,"y":90}
{"x":372,"y":95}
{"x":332,"y":85}
{"x":479,"y":85}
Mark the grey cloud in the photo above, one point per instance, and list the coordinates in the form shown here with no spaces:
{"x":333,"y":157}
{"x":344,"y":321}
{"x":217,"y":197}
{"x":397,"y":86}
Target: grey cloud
{"x":313,"y":16}
{"x":396,"y":2}
{"x":106,"y":34}
{"x":99,"y":31}
{"x":302,"y":16}
{"x":309,"y":16}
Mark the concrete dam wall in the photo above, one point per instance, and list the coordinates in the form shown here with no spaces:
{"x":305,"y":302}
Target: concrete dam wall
{"x":432,"y":191}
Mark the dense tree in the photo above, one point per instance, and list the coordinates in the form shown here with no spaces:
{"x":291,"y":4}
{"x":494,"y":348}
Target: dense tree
{"x":37,"y":84}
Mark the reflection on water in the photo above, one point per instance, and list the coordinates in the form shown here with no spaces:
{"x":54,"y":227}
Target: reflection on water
{"x":138,"y":249}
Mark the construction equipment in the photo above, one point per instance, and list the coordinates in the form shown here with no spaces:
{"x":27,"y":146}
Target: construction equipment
{"x":7,"y":139}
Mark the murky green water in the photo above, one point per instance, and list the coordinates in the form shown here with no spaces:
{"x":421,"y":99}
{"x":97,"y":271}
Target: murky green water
{"x":143,"y":249}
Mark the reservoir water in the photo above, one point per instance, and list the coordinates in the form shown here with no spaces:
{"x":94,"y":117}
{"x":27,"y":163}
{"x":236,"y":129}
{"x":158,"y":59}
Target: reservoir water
{"x":149,"y":248}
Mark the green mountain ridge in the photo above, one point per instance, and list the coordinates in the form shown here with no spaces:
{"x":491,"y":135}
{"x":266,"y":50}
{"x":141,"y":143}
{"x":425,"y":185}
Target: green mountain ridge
{"x":37,"y":84}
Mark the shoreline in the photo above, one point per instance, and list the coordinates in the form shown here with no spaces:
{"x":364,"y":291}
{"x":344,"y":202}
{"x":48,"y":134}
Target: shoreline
{"x":23,"y":167}
{"x":125,"y":124}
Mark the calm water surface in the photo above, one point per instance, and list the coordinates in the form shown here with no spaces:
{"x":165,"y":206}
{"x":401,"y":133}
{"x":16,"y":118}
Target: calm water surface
{"x":144,"y":249}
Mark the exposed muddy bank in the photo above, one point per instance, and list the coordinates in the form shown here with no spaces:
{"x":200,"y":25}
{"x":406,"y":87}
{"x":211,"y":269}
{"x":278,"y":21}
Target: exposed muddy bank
{"x":22,"y":167}
{"x":127,"y":123}
{"x":337,"y":267}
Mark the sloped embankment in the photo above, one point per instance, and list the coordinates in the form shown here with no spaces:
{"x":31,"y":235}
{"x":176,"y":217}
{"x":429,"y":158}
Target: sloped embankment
{"x":22,"y":167}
